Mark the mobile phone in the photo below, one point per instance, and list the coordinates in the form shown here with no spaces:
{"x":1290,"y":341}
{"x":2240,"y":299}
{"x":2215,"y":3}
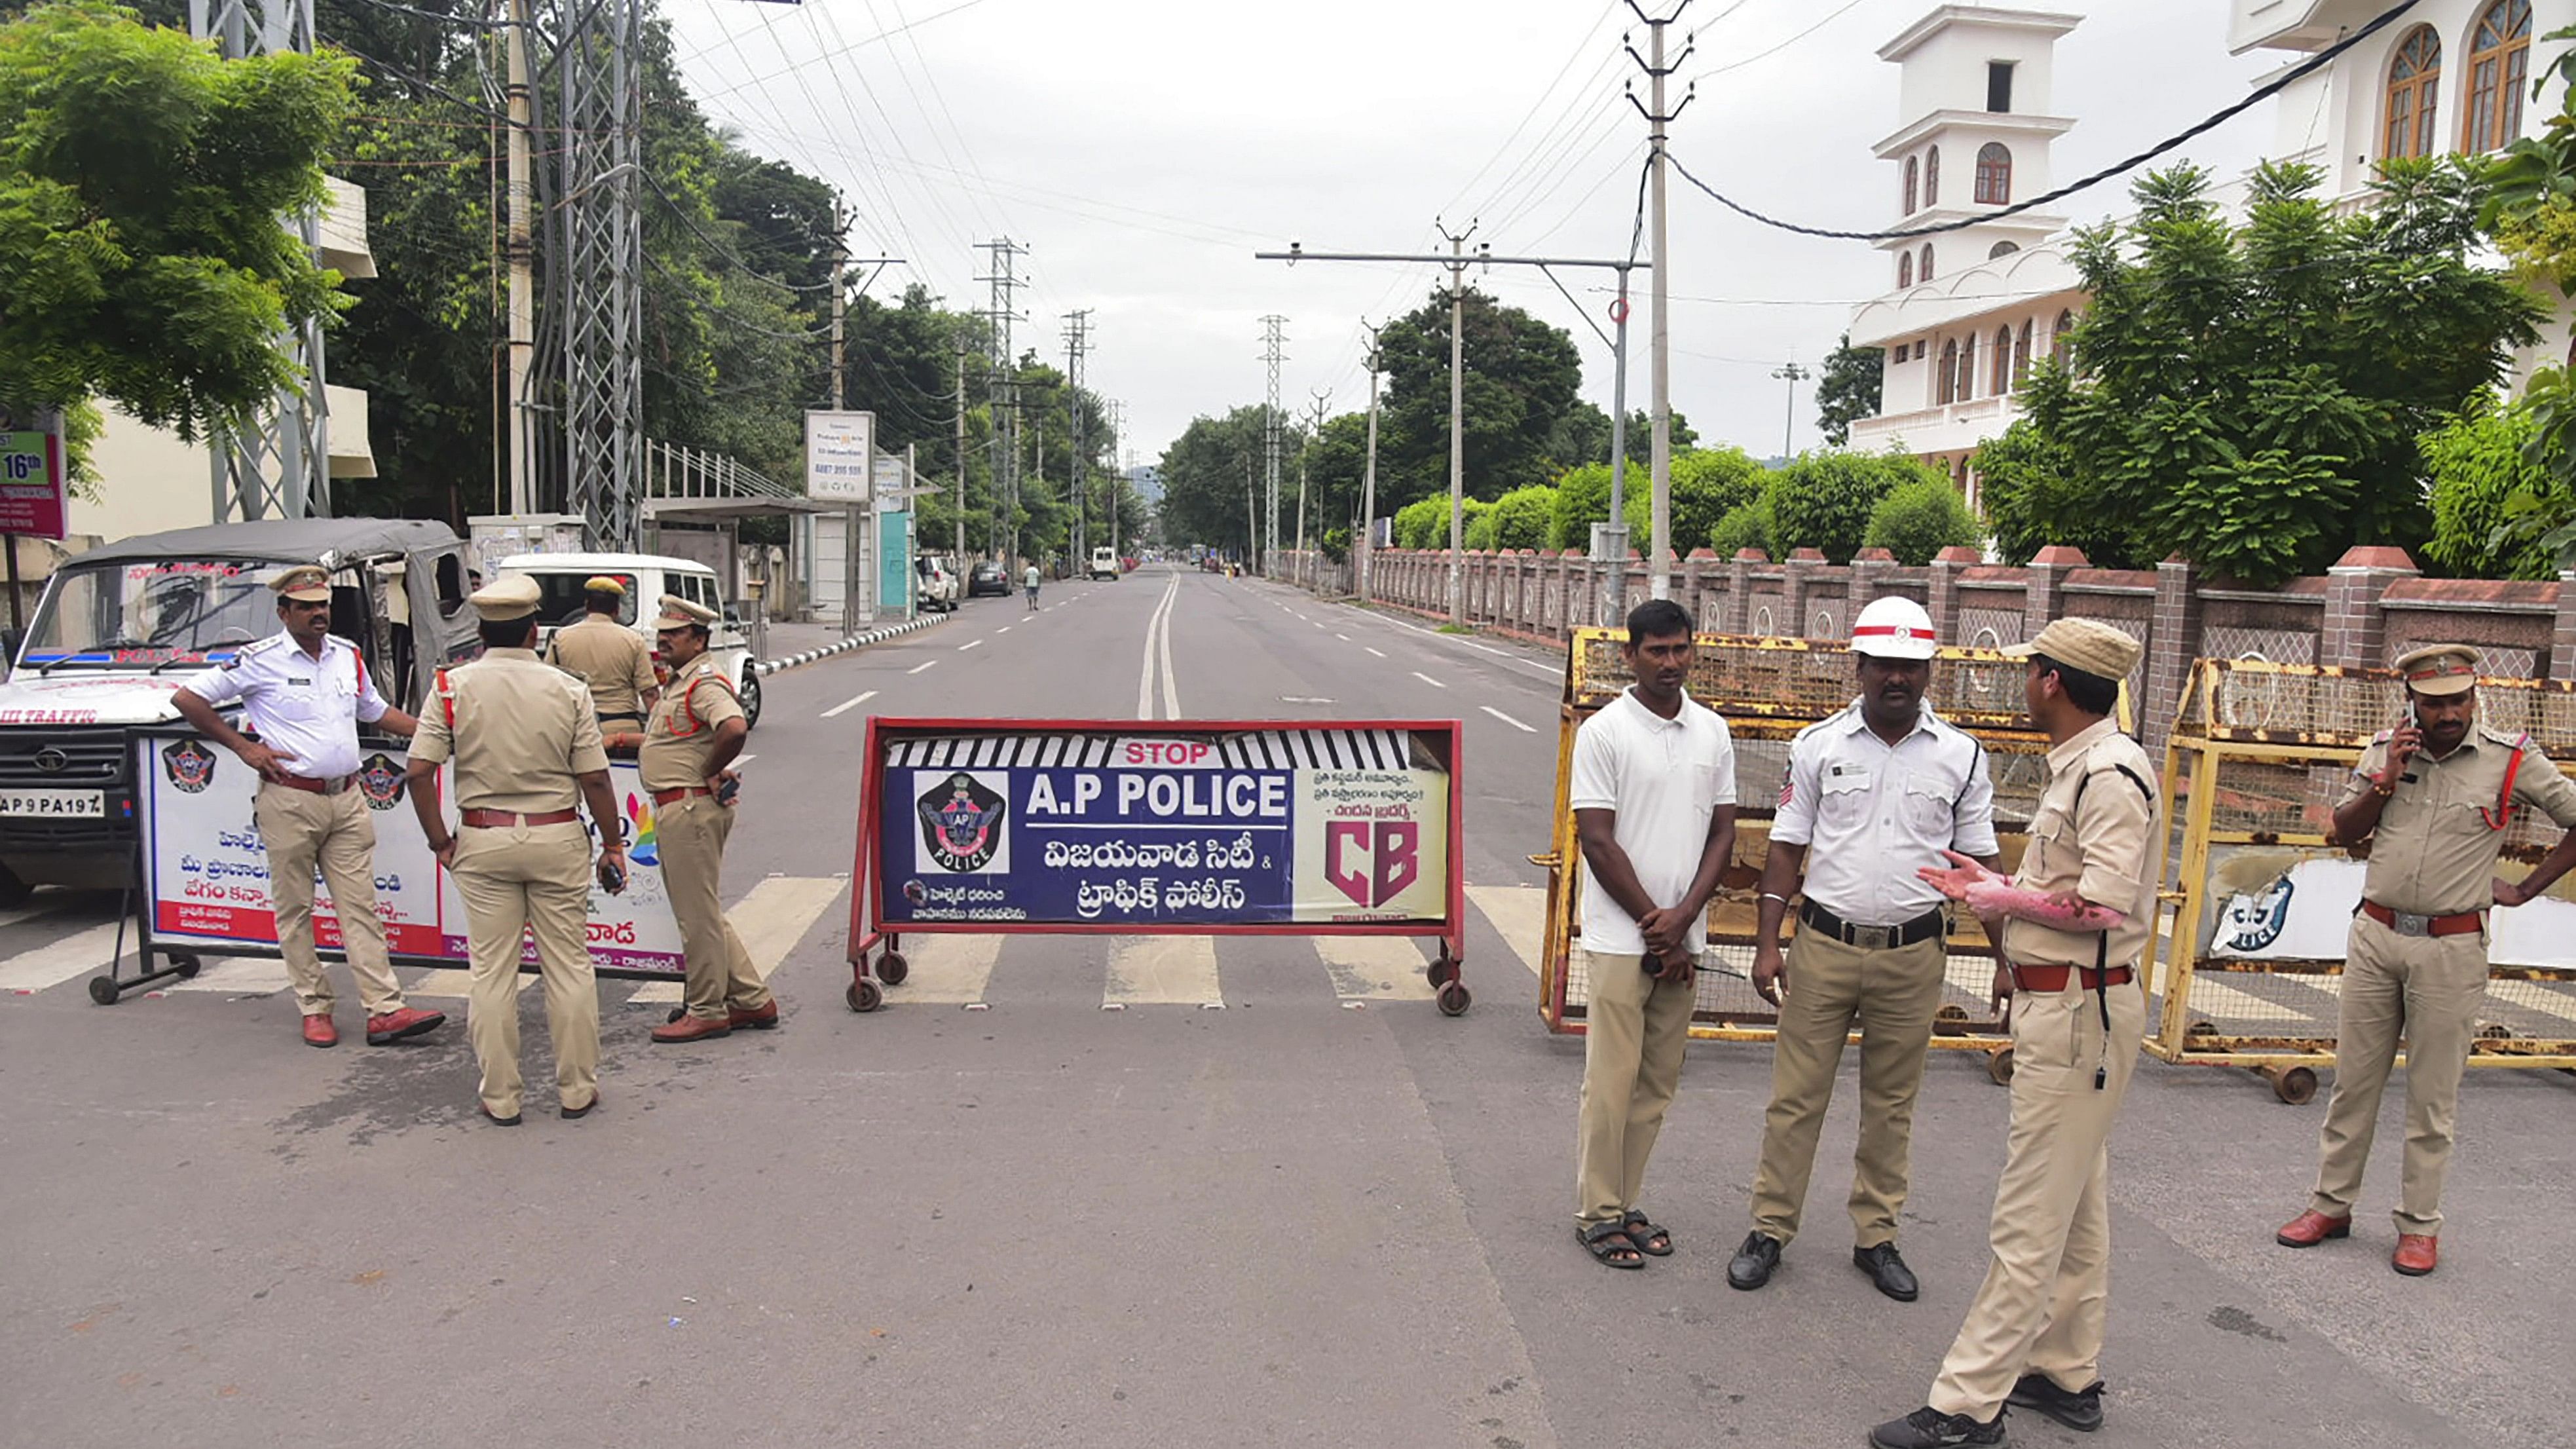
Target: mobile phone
{"x":2411,"y":722}
{"x":612,"y":876}
{"x":726,"y":791}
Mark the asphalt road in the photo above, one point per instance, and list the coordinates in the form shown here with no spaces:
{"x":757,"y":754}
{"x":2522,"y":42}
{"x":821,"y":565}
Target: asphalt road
{"x":1321,"y":1215}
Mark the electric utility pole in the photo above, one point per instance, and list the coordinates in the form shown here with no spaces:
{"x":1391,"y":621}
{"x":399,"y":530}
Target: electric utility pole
{"x":1323,"y":398}
{"x":1117,"y":482}
{"x":1077,"y":343}
{"x":1368,"y":473}
{"x":1791,"y":373}
{"x":1457,"y":417}
{"x":1003,"y":256}
{"x":957,"y":560}
{"x":1659,"y":580}
{"x":1271,"y":341}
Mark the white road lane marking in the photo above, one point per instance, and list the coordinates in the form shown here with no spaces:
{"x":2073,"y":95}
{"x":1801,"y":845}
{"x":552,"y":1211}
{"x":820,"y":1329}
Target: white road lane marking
{"x":1507,"y":719}
{"x":970,"y":644}
{"x":770,"y":921}
{"x":946,"y":970}
{"x":1427,"y":679}
{"x":1375,"y":968}
{"x":1345,"y":638}
{"x":1380,"y":653}
{"x":1005,"y":629}
{"x":456,"y":983}
{"x":925,"y":664}
{"x":59,"y":961}
{"x":1162,"y":971}
{"x":1518,"y":914}
{"x":845,"y":706}
{"x":242,"y":976}
{"x":1158,"y":628}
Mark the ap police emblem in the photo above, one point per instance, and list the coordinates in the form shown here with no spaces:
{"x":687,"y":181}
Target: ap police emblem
{"x":961,"y":824}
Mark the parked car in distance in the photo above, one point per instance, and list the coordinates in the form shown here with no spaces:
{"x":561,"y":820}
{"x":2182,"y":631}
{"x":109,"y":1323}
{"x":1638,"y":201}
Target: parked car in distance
{"x":1104,"y":563}
{"x":936,"y":583}
{"x":988,"y":578}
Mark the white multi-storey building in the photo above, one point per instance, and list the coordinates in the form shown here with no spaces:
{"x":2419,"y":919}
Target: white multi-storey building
{"x":1968,"y":310}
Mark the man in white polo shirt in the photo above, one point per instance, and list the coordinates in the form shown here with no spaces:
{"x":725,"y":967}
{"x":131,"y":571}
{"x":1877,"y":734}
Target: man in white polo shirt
{"x":1654,"y":805}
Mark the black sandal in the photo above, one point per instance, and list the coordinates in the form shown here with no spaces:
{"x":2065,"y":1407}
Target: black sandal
{"x":1646,"y":1235}
{"x":1607,"y":1241}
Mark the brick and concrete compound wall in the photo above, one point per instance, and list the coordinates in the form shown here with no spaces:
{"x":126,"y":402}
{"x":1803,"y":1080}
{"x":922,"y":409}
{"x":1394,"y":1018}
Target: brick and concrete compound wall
{"x":2373,"y":605}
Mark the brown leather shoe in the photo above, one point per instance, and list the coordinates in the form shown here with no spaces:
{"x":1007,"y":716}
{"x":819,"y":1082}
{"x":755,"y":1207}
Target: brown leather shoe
{"x":692,"y":1028}
{"x":393,"y":1026}
{"x":2311,"y":1228}
{"x":2415,"y":1255}
{"x":318,"y":1030}
{"x":760,"y":1019}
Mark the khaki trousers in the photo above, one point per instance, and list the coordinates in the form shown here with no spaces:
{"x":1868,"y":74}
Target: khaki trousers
{"x":721,"y":980}
{"x":519,"y":879}
{"x":302,"y":830}
{"x":1892,"y":994}
{"x":2041,"y":1307}
{"x":2428,"y":990}
{"x":1634,"y":1033}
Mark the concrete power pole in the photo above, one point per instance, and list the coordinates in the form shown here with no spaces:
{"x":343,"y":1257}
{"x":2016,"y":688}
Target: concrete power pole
{"x":957,"y":560}
{"x":1660,"y":462}
{"x":1791,"y":373}
{"x":1368,"y":473}
{"x":1003,"y":255}
{"x":1076,"y":345}
{"x":1118,"y":483}
{"x":1457,"y":419}
{"x":1323,"y":398}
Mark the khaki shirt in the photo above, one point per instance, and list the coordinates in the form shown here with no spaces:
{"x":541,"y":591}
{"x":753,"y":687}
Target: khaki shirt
{"x":2095,"y":833}
{"x":2433,"y":853}
{"x":521,"y":731}
{"x":614,"y":658}
{"x":683,"y":727}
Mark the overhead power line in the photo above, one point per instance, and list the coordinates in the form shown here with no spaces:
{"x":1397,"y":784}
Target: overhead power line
{"x":2261,"y":93}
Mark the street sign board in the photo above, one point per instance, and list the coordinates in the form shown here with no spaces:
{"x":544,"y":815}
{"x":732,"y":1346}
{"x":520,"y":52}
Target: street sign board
{"x":32,"y":489}
{"x":840,"y":452}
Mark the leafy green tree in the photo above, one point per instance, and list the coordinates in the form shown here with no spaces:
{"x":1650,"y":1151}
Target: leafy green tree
{"x":1210,"y":478}
{"x":2481,"y":479}
{"x":1480,"y":532}
{"x":2251,"y":394}
{"x":1747,"y":525}
{"x":1706,"y":484}
{"x":1521,"y":378}
{"x":1423,"y":523}
{"x":1918,"y":519}
{"x":2028,"y":487}
{"x":1824,"y":500}
{"x":1583,"y":436}
{"x":1522,"y":518}
{"x":142,"y":180}
{"x":1847,"y":388}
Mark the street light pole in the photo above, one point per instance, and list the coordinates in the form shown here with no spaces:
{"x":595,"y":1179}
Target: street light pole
{"x":1791,"y":373}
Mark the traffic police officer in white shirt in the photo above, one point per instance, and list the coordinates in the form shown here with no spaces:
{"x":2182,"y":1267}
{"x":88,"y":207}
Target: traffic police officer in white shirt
{"x":304,"y":692}
{"x":1874,"y":793}
{"x":1653,"y":795}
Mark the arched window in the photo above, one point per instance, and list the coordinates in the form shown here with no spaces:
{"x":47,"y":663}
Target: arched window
{"x":2414,"y":86}
{"x":2021,"y":355}
{"x":1932,"y":176}
{"x":1994,"y":174}
{"x":2061,"y":339}
{"x":2499,"y":66}
{"x":1913,"y":179}
{"x":1904,"y":269}
{"x":1967,"y":367}
{"x":2003,"y":363}
{"x":1925,"y":270}
{"x":1945,"y":381}
{"x":2002,"y":249}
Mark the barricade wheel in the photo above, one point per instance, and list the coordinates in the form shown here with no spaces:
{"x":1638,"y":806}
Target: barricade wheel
{"x":186,"y":964}
{"x":102,"y":990}
{"x":1951,"y":1011}
{"x":2294,"y":1085}
{"x":863,"y":996}
{"x":1999,"y":1066}
{"x":2201,"y":1028}
{"x":1443,"y":969}
{"x":2495,"y":1031}
{"x":892,"y":968}
{"x":1454,"y":997}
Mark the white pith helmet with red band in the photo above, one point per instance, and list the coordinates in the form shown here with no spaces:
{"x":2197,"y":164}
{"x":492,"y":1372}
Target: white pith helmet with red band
{"x":1893,"y":628}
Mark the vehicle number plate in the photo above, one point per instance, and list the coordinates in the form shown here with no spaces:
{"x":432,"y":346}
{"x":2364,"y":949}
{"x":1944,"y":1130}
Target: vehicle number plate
{"x":73,"y":804}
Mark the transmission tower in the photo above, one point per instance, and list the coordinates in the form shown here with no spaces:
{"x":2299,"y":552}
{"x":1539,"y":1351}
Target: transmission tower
{"x":1272,"y":339}
{"x":598,"y":270}
{"x":279,"y":465}
{"x":1002,"y":257}
{"x":1077,"y":344}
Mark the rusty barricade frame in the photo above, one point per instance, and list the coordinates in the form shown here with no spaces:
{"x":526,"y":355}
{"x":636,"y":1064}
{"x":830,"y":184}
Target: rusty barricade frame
{"x":1768,"y":688}
{"x":2252,"y":718}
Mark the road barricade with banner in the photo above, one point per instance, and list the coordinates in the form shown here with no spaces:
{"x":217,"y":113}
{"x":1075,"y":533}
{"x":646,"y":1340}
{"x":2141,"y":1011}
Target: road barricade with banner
{"x":204,"y":876}
{"x":1010,"y":827}
{"x":1768,"y":689}
{"x":2251,"y":974}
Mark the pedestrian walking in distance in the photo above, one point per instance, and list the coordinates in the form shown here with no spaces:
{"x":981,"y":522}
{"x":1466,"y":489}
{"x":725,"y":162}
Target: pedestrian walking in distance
{"x":303,"y":692}
{"x":2069,"y":928}
{"x":526,"y":743}
{"x":696,"y":731}
{"x":1653,"y":794}
{"x":611,"y":658}
{"x":1873,"y":795}
{"x":1030,"y":581}
{"x":2434,"y":797}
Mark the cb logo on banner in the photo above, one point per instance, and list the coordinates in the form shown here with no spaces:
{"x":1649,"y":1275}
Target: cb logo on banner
{"x":1372,"y":862}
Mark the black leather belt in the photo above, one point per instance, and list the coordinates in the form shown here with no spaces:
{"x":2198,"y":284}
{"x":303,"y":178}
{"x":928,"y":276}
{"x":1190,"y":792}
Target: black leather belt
{"x":1924,"y":927}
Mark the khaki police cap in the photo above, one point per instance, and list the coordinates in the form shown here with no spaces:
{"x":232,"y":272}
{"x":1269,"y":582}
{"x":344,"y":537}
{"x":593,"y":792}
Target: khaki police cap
{"x":680,"y":613}
{"x":304,"y":583}
{"x":2097,"y":649}
{"x":507,"y":597}
{"x":2440,"y":669}
{"x":603,"y":584}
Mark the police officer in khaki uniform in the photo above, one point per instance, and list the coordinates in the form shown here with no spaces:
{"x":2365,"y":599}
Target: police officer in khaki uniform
{"x":303,"y":692}
{"x":2433,"y":797}
{"x":525,"y":742}
{"x":610,"y":657}
{"x":696,"y":730}
{"x":2070,"y":928}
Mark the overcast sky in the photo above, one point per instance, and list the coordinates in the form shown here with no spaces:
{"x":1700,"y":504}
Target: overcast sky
{"x":1144,"y":149}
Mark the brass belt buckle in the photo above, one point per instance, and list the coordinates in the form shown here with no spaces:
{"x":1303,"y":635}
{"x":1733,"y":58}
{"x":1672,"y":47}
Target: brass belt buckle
{"x":2410,"y":924}
{"x":1874,"y":938}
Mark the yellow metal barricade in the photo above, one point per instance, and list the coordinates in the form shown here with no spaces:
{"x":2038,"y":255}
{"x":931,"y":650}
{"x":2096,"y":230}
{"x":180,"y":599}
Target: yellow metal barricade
{"x":1768,"y":689}
{"x":2250,"y":973}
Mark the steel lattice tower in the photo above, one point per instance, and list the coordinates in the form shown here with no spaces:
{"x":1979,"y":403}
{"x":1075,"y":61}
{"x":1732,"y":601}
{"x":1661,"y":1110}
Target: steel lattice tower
{"x":277,"y":466}
{"x":1004,"y":254}
{"x":596,"y":271}
{"x":1272,"y":339}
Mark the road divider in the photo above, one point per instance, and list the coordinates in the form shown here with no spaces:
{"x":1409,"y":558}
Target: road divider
{"x":854,"y":641}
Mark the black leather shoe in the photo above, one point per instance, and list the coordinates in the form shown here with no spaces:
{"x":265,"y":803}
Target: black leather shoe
{"x":1751,"y":1267}
{"x":575,"y":1114}
{"x":495,"y":1118}
{"x":1929,"y":1428}
{"x":2076,"y":1411}
{"x":1888,"y":1271}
